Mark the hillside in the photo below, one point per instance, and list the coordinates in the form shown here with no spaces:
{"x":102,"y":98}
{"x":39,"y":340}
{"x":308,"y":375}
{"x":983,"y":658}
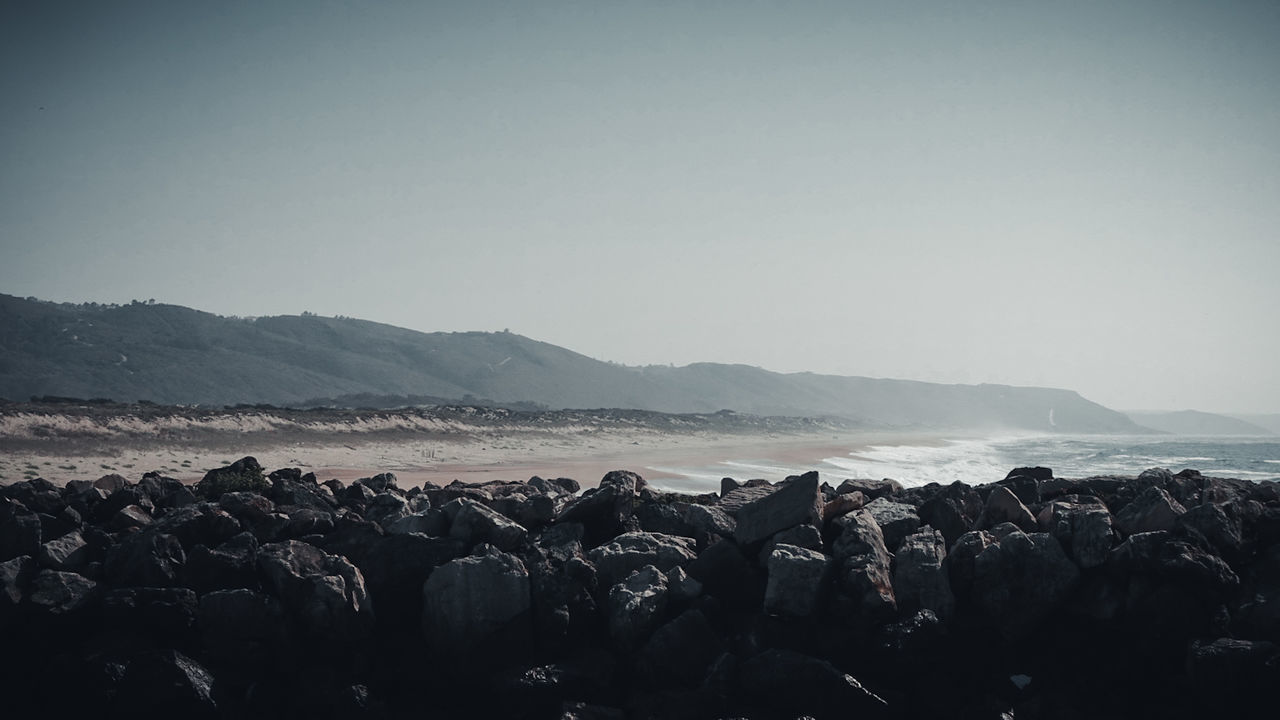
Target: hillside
{"x":1194,"y":422}
{"x":175,"y":355}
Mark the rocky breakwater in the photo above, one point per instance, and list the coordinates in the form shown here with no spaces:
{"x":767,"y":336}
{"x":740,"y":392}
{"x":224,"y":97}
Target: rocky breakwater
{"x":252,"y":595}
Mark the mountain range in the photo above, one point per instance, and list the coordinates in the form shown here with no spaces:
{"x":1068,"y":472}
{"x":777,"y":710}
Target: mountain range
{"x":176,"y":355}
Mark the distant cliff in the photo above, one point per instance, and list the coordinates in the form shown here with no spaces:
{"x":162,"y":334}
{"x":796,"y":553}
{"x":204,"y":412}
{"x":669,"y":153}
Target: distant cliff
{"x":176,"y":355}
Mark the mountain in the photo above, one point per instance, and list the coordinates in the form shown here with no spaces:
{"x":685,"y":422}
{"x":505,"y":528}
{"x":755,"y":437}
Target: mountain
{"x":175,"y":355}
{"x":1269,"y":422}
{"x":1194,"y":422}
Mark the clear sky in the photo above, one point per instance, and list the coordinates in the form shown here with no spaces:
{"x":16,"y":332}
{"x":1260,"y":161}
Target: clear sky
{"x":1071,"y":194}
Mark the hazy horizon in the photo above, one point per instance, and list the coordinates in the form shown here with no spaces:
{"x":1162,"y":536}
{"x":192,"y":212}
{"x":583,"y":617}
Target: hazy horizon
{"x":1082,"y":196}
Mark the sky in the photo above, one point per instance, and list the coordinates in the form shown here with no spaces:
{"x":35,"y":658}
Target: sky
{"x":1069,"y":194}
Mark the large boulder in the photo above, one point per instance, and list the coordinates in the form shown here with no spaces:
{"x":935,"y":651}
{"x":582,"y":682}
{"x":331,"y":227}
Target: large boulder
{"x":797,"y":581}
{"x":165,"y":684}
{"x":148,"y":559}
{"x":476,"y":605}
{"x":1082,"y":528}
{"x":796,"y":502}
{"x":607,"y":510}
{"x":637,"y":606}
{"x":242,"y":628}
{"x":324,"y":594}
{"x":680,"y":651}
{"x":474,"y":523}
{"x":896,"y":520}
{"x":165,"y":614}
{"x":243,"y":474}
{"x":66,"y":553}
{"x":920,"y":580}
{"x":56,"y":593}
{"x":1004,"y":507}
{"x":231,"y":564}
{"x":20,"y":531}
{"x":629,"y":552}
{"x":863,"y":566}
{"x":870,"y":489}
{"x":1021,"y":579}
{"x":1151,"y":511}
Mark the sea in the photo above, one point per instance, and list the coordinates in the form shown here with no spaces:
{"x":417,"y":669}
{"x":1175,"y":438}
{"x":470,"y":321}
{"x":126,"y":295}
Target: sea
{"x":976,"y":461}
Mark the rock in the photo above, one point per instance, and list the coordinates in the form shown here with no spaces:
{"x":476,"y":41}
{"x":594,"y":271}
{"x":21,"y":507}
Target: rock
{"x":795,"y":503}
{"x":556,"y":486}
{"x":302,"y":494}
{"x":734,"y":500}
{"x":243,"y":474}
{"x":111,"y":483}
{"x":1160,"y":555}
{"x":474,"y":523}
{"x":842,"y":504}
{"x":199,"y":524}
{"x":920,"y":580}
{"x":325,"y":594}
{"x":662,"y":517}
{"x":166,"y":684}
{"x":66,"y":553}
{"x":148,"y":559}
{"x":381,"y":482}
{"x":233,"y":564}
{"x":427,"y":522}
{"x":1219,"y":525}
{"x":242,"y":628}
{"x":725,"y":573}
{"x":129,"y":517}
{"x":58,"y":593}
{"x":805,"y":536}
{"x":1020,"y":580}
{"x":1035,"y":473}
{"x":863,"y":566}
{"x":395,"y":567}
{"x":306,"y":521}
{"x":1083,"y":530}
{"x":166,"y":614}
{"x":607,"y":510}
{"x":1026,"y":489}
{"x":249,"y":508}
{"x":629,"y":552}
{"x":870,"y":489}
{"x":791,"y":684}
{"x":20,"y":530}
{"x":637,"y":606}
{"x":386,"y":508}
{"x":709,"y":519}
{"x":680,"y":652}
{"x":1003,"y":506}
{"x":952,"y":513}
{"x":1233,"y":678}
{"x":1153,"y":510}
{"x":15,"y":577}
{"x":896,"y":520}
{"x":797,"y":580}
{"x":475,"y":605}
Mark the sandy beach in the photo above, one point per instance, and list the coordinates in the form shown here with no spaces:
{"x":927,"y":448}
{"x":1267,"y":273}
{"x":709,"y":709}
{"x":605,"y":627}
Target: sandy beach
{"x":418,"y":449}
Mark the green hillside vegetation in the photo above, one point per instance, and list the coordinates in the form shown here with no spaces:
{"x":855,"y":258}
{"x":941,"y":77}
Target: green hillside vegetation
{"x":175,"y":355}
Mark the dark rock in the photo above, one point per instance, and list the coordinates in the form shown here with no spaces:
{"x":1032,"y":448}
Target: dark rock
{"x":1151,"y":511}
{"x":325,"y":594}
{"x":725,"y":573}
{"x":607,"y":510}
{"x":629,"y":552}
{"x":117,"y":501}
{"x":1020,"y":580}
{"x":791,"y":684}
{"x":637,"y":606}
{"x":952,"y":513}
{"x":842,"y":504}
{"x":920,"y":580}
{"x":1219,"y":525}
{"x":68,"y":552}
{"x":233,"y":564}
{"x":381,"y":482}
{"x":242,"y":628}
{"x":562,"y":486}
{"x":433,"y":522}
{"x":1233,"y":678}
{"x":1025,"y":488}
{"x":147,"y":559}
{"x":15,"y":577}
{"x":797,"y":581}
{"x":57,"y":593}
{"x":1035,"y":473}
{"x":20,"y":530}
{"x":795,"y":503}
{"x":680,"y":652}
{"x":111,"y":483}
{"x":166,"y":684}
{"x":896,"y":520}
{"x":243,"y":474}
{"x":1003,"y":506}
{"x":1159,"y":554}
{"x":734,"y":500}
{"x":166,"y":614}
{"x":863,"y":565}
{"x":395,"y":567}
{"x":386,"y":508}
{"x":248,"y":507}
{"x":870,"y":489}
{"x":38,"y":495}
{"x":805,"y":536}
{"x":199,"y":524}
{"x":474,"y":523}
{"x":663,"y":517}
{"x":307,"y":495}
{"x":306,"y":521}
{"x":476,"y":605}
{"x":129,"y":517}
{"x":1083,"y":530}
{"x":292,"y":473}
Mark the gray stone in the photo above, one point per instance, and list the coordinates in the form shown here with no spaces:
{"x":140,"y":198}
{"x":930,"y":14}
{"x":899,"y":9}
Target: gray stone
{"x":470,"y":600}
{"x":797,"y":579}
{"x":631,"y":551}
{"x":474,"y":523}
{"x":637,"y":606}
{"x":1152,"y":511}
{"x":1083,"y":530}
{"x":1020,"y":580}
{"x":61,"y":593}
{"x":1004,"y":507}
{"x":386,"y":508}
{"x":324,"y":593}
{"x":709,"y":519}
{"x":863,"y":563}
{"x":66,"y":553}
{"x":794,"y":503}
{"x":896,"y":520}
{"x":920,"y":580}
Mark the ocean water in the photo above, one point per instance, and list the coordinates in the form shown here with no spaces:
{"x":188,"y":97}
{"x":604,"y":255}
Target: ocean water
{"x":976,"y":461}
